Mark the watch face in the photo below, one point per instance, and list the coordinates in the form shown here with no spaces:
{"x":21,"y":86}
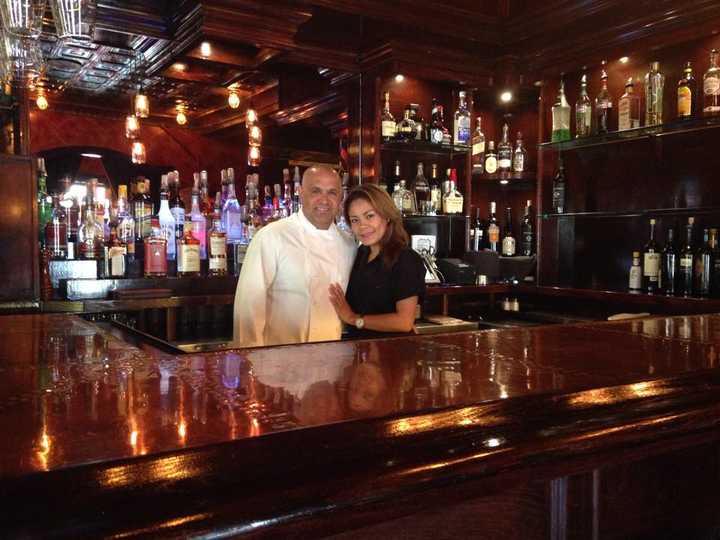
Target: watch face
{"x":359,"y":323}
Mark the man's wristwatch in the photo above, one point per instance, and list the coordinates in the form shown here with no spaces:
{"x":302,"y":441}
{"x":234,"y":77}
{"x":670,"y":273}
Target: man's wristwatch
{"x":360,"y":322}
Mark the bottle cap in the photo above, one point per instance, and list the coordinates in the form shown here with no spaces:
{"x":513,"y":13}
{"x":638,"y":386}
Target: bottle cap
{"x":652,"y":222}
{"x":122,"y":190}
{"x":636,"y":254}
{"x":691,"y":220}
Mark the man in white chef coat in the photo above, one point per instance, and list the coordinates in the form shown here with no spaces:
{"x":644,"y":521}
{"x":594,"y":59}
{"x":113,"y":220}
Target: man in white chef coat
{"x":282,"y":293}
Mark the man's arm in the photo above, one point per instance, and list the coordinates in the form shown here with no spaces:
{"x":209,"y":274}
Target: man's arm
{"x":256,"y":277}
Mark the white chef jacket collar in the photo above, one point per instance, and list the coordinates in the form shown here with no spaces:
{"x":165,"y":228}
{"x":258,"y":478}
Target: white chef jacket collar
{"x":309,"y":227}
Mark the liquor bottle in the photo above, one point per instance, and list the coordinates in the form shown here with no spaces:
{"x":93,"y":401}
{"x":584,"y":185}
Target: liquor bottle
{"x":117,"y":255}
{"x":519,"y":160}
{"x":491,"y":160}
{"x":206,"y":204}
{"x":504,"y":152}
{"x":406,"y":126}
{"x":404,"y":199}
{"x":559,"y":189}
{"x":702,"y":267}
{"x":654,"y":83}
{"x":477,"y":237}
{"x":417,"y":117}
{"x":387,"y":121}
{"x":669,"y":272}
{"x":438,"y":132}
{"x":166,"y":219}
{"x":189,"y":252}
{"x":493,"y":230}
{"x":90,"y":234}
{"x":126,"y":225}
{"x":603,"y":105}
{"x":198,"y":223}
{"x":217,"y":247}
{"x":421,"y":189}
{"x":55,"y":233}
{"x":177,"y":206}
{"x":461,"y":130}
{"x":223,"y":186}
{"x":560,"y":116}
{"x":44,"y":201}
{"x":629,"y":108}
{"x":478,"y":149}
{"x":635,"y":281}
{"x":297,"y":205}
{"x":287,"y":200}
{"x":155,"y":257}
{"x":686,"y":259}
{"x":453,"y":199}
{"x":527,"y":230}
{"x":394,"y":180}
{"x":687,"y":95}
{"x":508,"y":242}
{"x":583,"y":111}
{"x":651,"y":262}
{"x":142,"y":214}
{"x":435,"y":191}
{"x":232,"y":217}
{"x":711,"y":86}
{"x":715,"y":272}
{"x":72,"y":212}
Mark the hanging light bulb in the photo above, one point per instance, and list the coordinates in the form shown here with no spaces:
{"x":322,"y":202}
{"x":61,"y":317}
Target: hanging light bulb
{"x":251,"y":116}
{"x":254,"y":156}
{"x":132,"y":126}
{"x":181,"y":118}
{"x":42,"y":102}
{"x":233,"y":100}
{"x":254,"y":136}
{"x":138,"y":154}
{"x":142,"y":105}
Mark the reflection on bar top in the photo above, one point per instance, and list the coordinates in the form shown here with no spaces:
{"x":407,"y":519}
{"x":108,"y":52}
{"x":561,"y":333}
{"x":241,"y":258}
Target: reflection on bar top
{"x":70,"y":393}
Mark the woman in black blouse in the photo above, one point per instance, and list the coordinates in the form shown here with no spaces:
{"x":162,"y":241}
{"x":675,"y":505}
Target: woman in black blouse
{"x":388,"y":278}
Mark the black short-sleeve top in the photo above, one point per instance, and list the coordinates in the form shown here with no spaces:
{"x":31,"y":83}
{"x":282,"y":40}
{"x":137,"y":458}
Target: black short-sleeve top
{"x":373,"y":289}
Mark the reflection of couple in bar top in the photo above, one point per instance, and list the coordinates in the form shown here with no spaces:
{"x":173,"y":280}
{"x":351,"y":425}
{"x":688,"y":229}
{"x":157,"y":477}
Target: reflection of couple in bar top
{"x":303,"y":277}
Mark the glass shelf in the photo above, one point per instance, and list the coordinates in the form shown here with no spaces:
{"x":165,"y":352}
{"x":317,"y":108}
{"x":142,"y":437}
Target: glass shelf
{"x":652,"y":212}
{"x":424,"y":147}
{"x":675,"y":127}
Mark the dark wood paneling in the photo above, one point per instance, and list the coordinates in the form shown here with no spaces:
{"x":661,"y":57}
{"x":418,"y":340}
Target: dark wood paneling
{"x":18,"y":229}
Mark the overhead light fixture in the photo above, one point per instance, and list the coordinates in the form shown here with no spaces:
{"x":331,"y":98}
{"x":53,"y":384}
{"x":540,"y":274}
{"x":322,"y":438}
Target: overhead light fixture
{"x":233,"y":99}
{"x":399,"y":78}
{"x":91,"y":155}
{"x":506,"y":96}
{"x":132,"y":126}
{"x":138,"y":153}
{"x":624,"y":60}
{"x":205,"y":49}
{"x":141,"y":105}
{"x":42,"y":102}
{"x":74,"y":19}
{"x":251,"y":116}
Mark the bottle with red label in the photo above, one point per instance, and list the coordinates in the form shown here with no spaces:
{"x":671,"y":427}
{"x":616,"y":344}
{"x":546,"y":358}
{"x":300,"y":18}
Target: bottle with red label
{"x":156,"y":252}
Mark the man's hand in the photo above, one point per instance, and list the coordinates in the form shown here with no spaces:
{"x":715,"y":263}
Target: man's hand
{"x":342,"y":308}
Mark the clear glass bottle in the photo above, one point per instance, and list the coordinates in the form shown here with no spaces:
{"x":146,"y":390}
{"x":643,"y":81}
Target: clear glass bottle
{"x":687,"y":97}
{"x":72,"y":212}
{"x":603,"y":105}
{"x":453,"y":200}
{"x":629,"y":108}
{"x":478,"y":149}
{"x":435,"y":191}
{"x":217,"y":247}
{"x":635,"y":274}
{"x":126,"y":224}
{"x":519,"y":162}
{"x":406,"y":127}
{"x":117,"y":255}
{"x":189,"y":254}
{"x":166,"y":219}
{"x":583,"y":111}
{"x":388,"y":126}
{"x":491,"y":161}
{"x":177,"y":205}
{"x":155,"y":257}
{"x":711,"y":86}
{"x":90,"y":234}
{"x":56,"y":231}
{"x":461,"y":130}
{"x":654,"y":84}
{"x":198,"y":221}
{"x":142,"y":211}
{"x":560,"y":117}
{"x":421,"y":189}
{"x":408,"y":204}
{"x":232,"y":217}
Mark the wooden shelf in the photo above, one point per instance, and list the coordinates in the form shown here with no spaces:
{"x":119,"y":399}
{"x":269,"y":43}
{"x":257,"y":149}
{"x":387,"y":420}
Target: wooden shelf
{"x":675,"y":127}
{"x":424,"y":147}
{"x":698,"y":210}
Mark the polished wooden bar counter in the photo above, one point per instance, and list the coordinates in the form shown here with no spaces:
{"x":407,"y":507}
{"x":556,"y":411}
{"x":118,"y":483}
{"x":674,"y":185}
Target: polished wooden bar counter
{"x":599,"y":430}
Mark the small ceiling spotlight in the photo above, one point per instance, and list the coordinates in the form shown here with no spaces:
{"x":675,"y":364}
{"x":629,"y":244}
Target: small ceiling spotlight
{"x":506,"y":96}
{"x":233,"y":99}
{"x":624,"y":60}
{"x":205,"y":49}
{"x":399,"y":78}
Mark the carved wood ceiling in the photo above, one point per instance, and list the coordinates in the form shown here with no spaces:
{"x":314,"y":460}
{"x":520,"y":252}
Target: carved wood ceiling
{"x":291,"y":58}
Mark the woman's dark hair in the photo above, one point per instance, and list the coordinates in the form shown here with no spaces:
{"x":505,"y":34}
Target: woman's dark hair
{"x":395,"y":237}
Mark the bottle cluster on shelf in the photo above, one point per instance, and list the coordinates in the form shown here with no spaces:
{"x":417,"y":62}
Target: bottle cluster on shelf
{"x":130,"y":237}
{"x":693,"y":99}
{"x":413,"y":126}
{"x":486,"y":234}
{"x":503,"y":160}
{"x":423,"y":196}
{"x":687,"y":269}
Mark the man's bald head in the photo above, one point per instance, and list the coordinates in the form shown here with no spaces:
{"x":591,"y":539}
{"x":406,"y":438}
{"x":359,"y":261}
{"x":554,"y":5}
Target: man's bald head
{"x":321,"y":194}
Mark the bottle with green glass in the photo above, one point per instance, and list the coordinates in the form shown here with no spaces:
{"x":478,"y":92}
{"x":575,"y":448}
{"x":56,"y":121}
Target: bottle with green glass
{"x":44,"y":201}
{"x":561,"y":116}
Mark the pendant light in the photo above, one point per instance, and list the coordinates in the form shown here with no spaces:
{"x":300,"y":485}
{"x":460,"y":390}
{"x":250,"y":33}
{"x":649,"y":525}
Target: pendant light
{"x":141,"y":105}
{"x":254,"y":157}
{"x":138,"y":153}
{"x":181,"y":116}
{"x":233,"y":99}
{"x":42,"y":102}
{"x":74,"y":19}
{"x":132,"y":127}
{"x":250,"y":117}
